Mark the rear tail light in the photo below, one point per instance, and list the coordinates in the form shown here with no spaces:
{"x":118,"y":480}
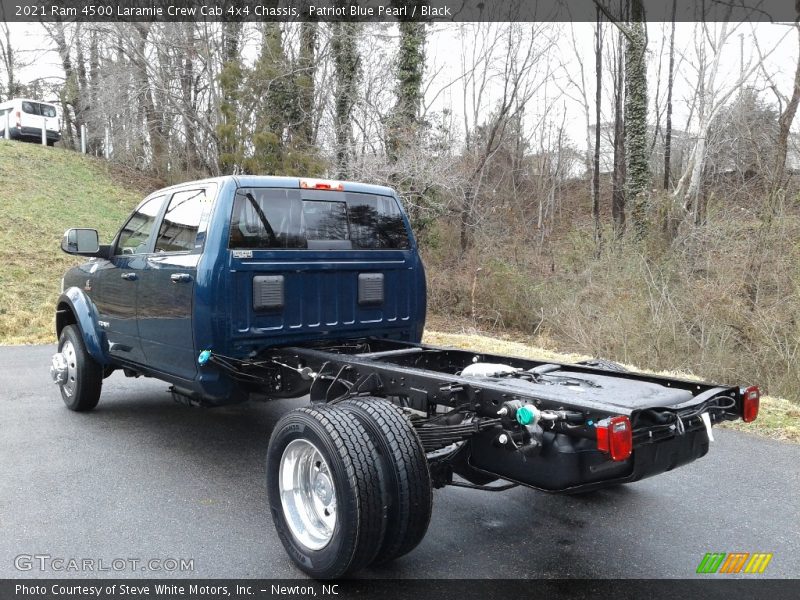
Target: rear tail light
{"x":321,"y":184}
{"x":19,"y":119}
{"x":615,"y":437}
{"x":750,"y":400}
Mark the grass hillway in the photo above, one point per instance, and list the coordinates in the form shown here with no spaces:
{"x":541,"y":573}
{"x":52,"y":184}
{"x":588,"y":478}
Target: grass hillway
{"x":47,"y":190}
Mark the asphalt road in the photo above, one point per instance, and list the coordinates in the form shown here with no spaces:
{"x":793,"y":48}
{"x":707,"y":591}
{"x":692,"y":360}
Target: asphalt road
{"x":142,"y":477}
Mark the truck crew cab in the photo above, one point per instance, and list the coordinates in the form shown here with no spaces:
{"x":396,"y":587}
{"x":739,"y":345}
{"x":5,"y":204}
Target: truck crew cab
{"x":273,"y":287}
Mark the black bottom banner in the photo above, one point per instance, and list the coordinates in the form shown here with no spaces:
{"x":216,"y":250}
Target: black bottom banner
{"x":416,"y":589}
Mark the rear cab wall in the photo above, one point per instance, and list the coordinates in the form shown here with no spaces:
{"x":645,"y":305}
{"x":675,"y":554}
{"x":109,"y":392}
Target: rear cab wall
{"x":318,"y":286}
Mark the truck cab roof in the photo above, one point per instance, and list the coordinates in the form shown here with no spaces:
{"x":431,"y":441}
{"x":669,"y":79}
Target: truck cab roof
{"x":272,"y":181}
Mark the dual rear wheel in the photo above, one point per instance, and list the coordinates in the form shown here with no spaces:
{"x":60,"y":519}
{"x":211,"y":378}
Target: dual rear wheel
{"x":348,"y":486}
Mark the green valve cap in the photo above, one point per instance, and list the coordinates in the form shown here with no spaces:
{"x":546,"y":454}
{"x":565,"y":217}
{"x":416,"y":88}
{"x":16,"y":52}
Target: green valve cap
{"x":526,"y":415}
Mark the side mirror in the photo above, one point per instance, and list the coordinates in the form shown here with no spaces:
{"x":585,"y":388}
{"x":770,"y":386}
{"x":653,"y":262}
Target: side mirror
{"x":81,"y":241}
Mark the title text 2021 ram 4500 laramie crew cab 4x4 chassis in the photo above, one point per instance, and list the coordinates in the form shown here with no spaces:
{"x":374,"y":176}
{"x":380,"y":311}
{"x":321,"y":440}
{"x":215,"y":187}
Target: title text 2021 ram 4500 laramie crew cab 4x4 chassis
{"x":283,"y":287}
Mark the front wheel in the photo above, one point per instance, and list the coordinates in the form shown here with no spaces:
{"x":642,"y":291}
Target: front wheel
{"x":325,"y":491}
{"x":78,"y":375}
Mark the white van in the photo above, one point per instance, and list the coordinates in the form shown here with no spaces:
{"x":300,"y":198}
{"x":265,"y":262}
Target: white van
{"x":25,"y":119}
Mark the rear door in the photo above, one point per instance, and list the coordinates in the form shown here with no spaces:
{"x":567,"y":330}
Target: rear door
{"x":166,"y":289}
{"x":35,"y":113}
{"x":118,"y":281}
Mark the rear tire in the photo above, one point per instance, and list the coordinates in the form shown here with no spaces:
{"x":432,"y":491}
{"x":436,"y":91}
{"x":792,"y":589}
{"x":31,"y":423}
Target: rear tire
{"x":312,"y":455}
{"x":81,"y":390}
{"x":409,"y":495}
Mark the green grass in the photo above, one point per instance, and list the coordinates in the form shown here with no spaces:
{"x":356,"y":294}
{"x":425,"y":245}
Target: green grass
{"x":44,"y":191}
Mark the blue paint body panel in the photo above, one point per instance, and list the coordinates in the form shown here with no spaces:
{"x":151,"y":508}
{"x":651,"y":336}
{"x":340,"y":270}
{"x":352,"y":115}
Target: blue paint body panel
{"x":156,"y":326}
{"x":82,"y":307}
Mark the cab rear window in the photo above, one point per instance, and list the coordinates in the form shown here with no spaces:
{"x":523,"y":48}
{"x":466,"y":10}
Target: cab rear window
{"x":269,"y":218}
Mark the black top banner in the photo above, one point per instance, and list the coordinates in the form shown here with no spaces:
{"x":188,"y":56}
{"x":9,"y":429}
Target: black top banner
{"x":391,"y":10}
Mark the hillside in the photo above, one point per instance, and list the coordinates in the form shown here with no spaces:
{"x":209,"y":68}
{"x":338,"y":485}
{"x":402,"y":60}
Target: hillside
{"x":44,"y":191}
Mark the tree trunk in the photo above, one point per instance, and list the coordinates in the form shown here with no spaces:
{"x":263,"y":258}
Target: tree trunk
{"x":98,"y":140}
{"x":670,"y":82}
{"x":619,"y":175}
{"x":784,"y":126}
{"x":82,"y":105}
{"x":410,"y":68}
{"x":596,"y":161}
{"x":69,"y":91}
{"x":305,"y":81}
{"x":191,"y":158}
{"x":9,"y":62}
{"x":346,"y":62}
{"x":230,"y":81}
{"x":151,"y":116}
{"x":464,"y":217}
{"x":638,"y":164}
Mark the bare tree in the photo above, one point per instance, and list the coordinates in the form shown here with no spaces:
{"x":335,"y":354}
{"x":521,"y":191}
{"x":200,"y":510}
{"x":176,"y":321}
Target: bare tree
{"x":785,"y":123}
{"x":9,"y":60}
{"x":631,"y":23}
{"x":712,"y":96}
{"x":69,"y":92}
{"x":592,"y":148}
{"x":152,"y":117}
{"x":506,"y":56}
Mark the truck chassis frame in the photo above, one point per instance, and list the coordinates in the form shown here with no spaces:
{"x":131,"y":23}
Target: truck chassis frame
{"x":460,"y":419}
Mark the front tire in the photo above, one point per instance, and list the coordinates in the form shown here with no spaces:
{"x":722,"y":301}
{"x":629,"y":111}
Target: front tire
{"x":81,"y":389}
{"x":325,"y":491}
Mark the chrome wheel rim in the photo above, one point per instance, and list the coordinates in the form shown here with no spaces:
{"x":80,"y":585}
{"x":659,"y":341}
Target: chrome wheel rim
{"x":68,"y":350}
{"x":308,"y":496}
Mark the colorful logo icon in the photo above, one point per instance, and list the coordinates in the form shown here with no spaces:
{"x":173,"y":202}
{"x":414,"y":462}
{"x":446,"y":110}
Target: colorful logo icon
{"x":734,"y":562}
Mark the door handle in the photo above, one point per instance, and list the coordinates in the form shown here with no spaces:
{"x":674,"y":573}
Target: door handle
{"x":180,"y":277}
{"x":129,"y":276}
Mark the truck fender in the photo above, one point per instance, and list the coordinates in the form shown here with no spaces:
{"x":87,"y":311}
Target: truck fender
{"x":75,"y":307}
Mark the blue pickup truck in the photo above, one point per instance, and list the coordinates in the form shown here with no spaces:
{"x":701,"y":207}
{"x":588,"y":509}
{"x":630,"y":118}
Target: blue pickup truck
{"x":238,"y":288}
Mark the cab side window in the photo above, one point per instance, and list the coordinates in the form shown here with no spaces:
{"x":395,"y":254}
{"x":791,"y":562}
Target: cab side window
{"x":136,"y":232}
{"x":178,"y":231}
